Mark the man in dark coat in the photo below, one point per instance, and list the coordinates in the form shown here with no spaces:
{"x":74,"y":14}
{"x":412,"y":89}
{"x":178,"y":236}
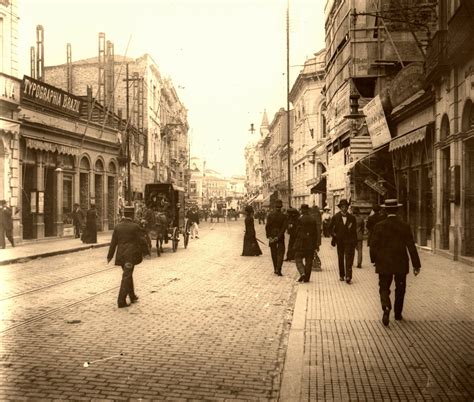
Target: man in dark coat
{"x":390,"y":241}
{"x":343,"y":229}
{"x":292,"y":216}
{"x":308,"y":238}
{"x":6,"y":224}
{"x":130,"y":244}
{"x":275,"y":231}
{"x":77,"y":220}
{"x":377,"y":216}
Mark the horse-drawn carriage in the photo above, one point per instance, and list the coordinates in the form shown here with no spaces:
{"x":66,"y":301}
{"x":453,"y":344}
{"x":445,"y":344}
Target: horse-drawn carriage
{"x":165,"y":216}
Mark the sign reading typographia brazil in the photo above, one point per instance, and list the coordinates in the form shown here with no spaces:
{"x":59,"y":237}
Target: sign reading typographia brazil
{"x":49,"y":96}
{"x":376,"y":123}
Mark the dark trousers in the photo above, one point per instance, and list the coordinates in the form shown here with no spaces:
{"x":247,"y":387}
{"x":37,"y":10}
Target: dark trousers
{"x":290,"y":254}
{"x":304,"y":268}
{"x":277,"y":250}
{"x":9,"y":235}
{"x":77,"y":230}
{"x":345,"y":259}
{"x":359,"y":252}
{"x":126,"y":286}
{"x":385,"y":281}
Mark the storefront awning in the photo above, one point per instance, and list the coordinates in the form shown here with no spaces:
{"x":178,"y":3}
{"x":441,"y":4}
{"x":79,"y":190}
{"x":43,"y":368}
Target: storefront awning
{"x":42,"y":145}
{"x":9,"y":127}
{"x":320,"y":187}
{"x":408,"y":139}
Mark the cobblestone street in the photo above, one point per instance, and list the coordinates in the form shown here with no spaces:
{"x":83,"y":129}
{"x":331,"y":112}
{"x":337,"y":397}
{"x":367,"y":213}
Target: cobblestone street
{"x":212,"y":325}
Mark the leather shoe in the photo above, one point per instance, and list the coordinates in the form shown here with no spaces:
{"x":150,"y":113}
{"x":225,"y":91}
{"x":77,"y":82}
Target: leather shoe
{"x":134,"y":300}
{"x":123,"y":305}
{"x":279,"y":274}
{"x":398,"y":317}
{"x":341,"y":279}
{"x":348,"y":281}
{"x":301,"y":278}
{"x":386,"y":317}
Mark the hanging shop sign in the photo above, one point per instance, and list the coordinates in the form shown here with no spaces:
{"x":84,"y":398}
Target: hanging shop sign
{"x":49,"y":96}
{"x":406,"y":83}
{"x":376,"y":123}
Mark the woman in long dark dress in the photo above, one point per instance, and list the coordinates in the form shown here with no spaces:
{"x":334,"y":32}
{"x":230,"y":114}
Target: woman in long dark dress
{"x":90,"y":233}
{"x":251,"y":247}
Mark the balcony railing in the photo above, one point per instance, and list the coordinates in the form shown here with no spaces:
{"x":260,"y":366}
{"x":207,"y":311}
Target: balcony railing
{"x":436,"y":63}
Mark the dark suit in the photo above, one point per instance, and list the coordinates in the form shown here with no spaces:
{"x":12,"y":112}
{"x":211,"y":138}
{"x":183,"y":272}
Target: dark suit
{"x":391,"y":238}
{"x":129,"y":242}
{"x":345,"y":236}
{"x":275,"y":228}
{"x":78,"y":221}
{"x":6,"y":226}
{"x":372,"y":220}
{"x":308,"y":239}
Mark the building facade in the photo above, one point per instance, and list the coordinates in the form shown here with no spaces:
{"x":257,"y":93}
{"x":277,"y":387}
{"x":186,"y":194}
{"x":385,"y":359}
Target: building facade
{"x":309,"y":132}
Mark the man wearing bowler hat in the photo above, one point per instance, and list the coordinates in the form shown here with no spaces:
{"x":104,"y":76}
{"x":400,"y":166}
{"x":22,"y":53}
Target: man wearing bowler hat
{"x":275,"y":231}
{"x":391,"y":238}
{"x":308,"y":239}
{"x":128,"y":238}
{"x":343,"y":229}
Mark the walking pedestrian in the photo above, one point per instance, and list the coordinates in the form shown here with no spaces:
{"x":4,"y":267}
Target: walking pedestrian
{"x":6,"y":224}
{"x":326,"y":218}
{"x":344,"y":237}
{"x":195,"y":223}
{"x":77,"y":220}
{"x":129,"y":242}
{"x":251,"y":247}
{"x":360,"y":225}
{"x":292,"y":215}
{"x":90,"y":233}
{"x":306,"y":243}
{"x":275,"y":231}
{"x":390,"y":241}
{"x":375,"y":217}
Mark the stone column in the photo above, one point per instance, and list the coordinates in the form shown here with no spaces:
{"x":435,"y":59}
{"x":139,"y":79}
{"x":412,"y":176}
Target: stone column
{"x":58,"y":216}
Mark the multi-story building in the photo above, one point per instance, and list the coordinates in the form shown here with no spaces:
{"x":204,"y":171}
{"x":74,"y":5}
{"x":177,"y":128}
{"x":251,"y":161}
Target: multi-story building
{"x":449,"y":71}
{"x":368,"y":44}
{"x":309,"y":132}
{"x":9,"y":108}
{"x":253,"y":164}
{"x":135,"y":88}
{"x":235,"y":192}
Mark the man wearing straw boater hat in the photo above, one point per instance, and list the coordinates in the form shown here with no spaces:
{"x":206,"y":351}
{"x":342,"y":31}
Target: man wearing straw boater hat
{"x":391,"y":238}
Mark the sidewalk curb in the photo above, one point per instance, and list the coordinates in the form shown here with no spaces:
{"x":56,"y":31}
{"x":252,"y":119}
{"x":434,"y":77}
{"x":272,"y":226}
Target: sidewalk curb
{"x":52,"y":253}
{"x":292,"y":375}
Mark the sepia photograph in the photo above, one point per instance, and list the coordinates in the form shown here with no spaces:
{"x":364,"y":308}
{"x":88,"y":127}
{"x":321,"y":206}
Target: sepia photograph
{"x":236,"y":200}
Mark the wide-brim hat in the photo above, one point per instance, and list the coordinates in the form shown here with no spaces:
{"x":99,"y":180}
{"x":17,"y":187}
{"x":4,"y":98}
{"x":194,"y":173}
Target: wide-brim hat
{"x":278,"y":203}
{"x":391,"y":203}
{"x":342,"y":202}
{"x":248,"y":209}
{"x":304,"y":207}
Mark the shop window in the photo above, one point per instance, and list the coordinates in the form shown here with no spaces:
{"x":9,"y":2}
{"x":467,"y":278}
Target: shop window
{"x":67,"y":199}
{"x":468,"y":117}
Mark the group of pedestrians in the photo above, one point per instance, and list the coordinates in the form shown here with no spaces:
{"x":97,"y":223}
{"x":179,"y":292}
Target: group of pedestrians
{"x":390,"y":241}
{"x":85,"y":223}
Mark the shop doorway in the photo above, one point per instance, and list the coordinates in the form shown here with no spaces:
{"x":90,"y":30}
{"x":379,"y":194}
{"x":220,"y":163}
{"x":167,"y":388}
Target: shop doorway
{"x":84,"y":191}
{"x":446,"y":204}
{"x":49,"y":202}
{"x":99,"y":200}
{"x":28,"y":191}
{"x":111,"y":202}
{"x":469,"y":198}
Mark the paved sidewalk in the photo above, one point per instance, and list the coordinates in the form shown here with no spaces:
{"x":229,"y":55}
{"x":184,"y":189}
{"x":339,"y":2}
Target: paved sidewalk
{"x":338,"y":348}
{"x":49,"y":247}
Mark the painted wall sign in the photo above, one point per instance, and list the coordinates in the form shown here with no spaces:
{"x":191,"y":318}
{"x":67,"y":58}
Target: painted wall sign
{"x":9,"y":89}
{"x":376,"y":123}
{"x":49,"y":96}
{"x":406,"y":83}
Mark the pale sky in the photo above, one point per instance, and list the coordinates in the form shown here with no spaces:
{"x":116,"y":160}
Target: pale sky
{"x":226,"y":58}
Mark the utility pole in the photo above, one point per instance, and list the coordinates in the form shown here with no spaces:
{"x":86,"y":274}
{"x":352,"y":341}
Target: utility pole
{"x":288,"y":136}
{"x":127,"y":134}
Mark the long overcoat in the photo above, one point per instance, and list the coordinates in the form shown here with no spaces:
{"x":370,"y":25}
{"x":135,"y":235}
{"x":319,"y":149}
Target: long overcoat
{"x":129,"y":242}
{"x":308,"y":235}
{"x":344,"y":233}
{"x":391,"y":239}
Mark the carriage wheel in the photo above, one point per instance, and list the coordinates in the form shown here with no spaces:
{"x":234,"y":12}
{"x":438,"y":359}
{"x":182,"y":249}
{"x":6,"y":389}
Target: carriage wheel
{"x":186,"y":238}
{"x":175,"y":239}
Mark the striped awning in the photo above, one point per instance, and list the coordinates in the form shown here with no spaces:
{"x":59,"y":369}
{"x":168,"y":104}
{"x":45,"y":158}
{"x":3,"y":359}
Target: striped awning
{"x":408,"y":139}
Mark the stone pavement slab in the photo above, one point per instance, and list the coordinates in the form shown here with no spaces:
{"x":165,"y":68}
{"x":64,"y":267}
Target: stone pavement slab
{"x":349,"y":354}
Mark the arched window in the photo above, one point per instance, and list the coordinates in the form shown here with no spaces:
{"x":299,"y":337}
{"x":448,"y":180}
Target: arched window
{"x":467,"y":122}
{"x":444,"y":129}
{"x":322,"y":113}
